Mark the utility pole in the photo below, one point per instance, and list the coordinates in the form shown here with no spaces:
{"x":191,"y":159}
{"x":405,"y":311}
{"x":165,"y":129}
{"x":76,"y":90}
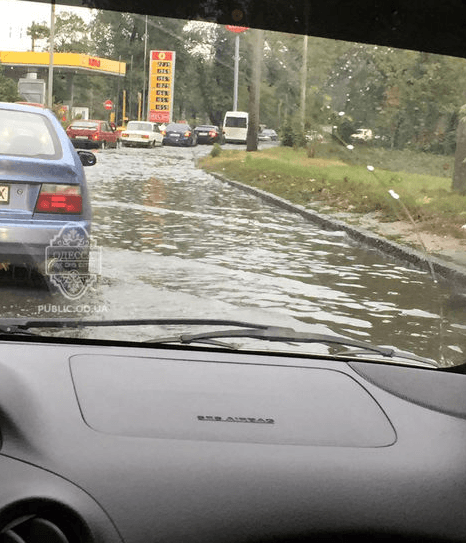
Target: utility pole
{"x":117,"y":101}
{"x":51,"y":46}
{"x":130,"y":103}
{"x":145,"y":69}
{"x":254,"y":90}
{"x":235,"y":88}
{"x":303,"y":84}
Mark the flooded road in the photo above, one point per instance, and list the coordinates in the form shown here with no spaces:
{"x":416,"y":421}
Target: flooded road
{"x":177,"y":242}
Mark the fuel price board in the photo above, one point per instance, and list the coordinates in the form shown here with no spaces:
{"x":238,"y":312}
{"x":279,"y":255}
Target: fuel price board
{"x":161,"y":83}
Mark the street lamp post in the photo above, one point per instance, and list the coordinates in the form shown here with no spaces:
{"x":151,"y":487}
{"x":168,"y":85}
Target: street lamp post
{"x":237,"y":30}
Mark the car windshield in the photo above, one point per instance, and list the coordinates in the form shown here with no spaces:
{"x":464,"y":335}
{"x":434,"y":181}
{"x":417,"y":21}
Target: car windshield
{"x":325,"y":228}
{"x":26,"y":134}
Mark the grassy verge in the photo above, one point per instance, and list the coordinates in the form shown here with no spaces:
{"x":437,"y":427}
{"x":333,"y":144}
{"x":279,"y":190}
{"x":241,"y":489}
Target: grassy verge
{"x":339,"y":179}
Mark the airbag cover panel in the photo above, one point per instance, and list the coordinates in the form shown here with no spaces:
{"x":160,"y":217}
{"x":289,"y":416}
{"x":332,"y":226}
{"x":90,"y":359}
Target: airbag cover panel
{"x":209,"y":401}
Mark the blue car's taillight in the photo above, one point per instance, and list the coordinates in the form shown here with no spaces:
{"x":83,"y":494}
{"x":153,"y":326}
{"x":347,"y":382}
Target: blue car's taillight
{"x":59,"y":199}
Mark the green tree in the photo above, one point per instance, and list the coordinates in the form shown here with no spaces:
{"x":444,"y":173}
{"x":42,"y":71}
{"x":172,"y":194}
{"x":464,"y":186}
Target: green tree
{"x":8,"y":89}
{"x":408,"y":96}
{"x":37,"y":31}
{"x":71,"y":34}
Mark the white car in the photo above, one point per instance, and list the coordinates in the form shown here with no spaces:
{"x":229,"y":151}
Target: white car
{"x":141,"y":134}
{"x":362,"y":134}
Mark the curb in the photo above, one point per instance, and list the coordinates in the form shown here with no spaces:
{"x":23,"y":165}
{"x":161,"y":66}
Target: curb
{"x":448,"y":271}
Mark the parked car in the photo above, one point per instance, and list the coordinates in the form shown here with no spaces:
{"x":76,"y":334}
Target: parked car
{"x":268,"y":134}
{"x":141,"y":134}
{"x":209,"y":133}
{"x":92,"y":134}
{"x":179,"y":134}
{"x":362,"y":135}
{"x":42,"y":185}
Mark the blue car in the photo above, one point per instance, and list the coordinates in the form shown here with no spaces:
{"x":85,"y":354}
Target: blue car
{"x":179,"y":134}
{"x":44,"y":201}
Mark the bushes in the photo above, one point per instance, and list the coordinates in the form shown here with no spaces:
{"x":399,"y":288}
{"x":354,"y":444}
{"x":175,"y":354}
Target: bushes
{"x":292,"y":137}
{"x":216,"y":150}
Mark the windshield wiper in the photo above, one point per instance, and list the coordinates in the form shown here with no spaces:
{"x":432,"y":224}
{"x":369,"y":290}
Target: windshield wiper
{"x":17,"y":325}
{"x":243,"y":330}
{"x":7,"y":330}
{"x":288,"y":335}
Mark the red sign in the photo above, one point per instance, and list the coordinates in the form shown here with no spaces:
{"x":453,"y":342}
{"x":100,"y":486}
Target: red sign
{"x":236,"y":29}
{"x":108,"y":104}
{"x":94,"y":62}
{"x":162,"y":55}
{"x":159,"y":116}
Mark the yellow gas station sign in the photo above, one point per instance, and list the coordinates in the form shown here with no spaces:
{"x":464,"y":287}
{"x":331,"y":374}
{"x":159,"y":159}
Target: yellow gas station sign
{"x":64,"y":60}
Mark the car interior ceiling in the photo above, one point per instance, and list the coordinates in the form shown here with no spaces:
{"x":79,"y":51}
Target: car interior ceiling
{"x":435,"y":26}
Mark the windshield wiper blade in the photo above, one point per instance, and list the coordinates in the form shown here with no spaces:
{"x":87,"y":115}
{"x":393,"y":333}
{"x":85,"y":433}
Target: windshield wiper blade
{"x":245,"y":330}
{"x":288,"y":335}
{"x":279,"y":334}
{"x":19,"y":325}
{"x":7,"y":330}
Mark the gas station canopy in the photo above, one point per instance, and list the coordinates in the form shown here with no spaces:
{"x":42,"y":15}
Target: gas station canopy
{"x":65,"y":62}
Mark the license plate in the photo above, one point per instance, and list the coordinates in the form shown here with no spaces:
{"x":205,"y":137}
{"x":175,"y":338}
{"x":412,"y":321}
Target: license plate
{"x":81,"y":138}
{"x":4,"y":194}
{"x":174,"y":135}
{"x":202,"y":133}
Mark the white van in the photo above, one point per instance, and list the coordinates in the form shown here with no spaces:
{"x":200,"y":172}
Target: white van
{"x":235,"y":126}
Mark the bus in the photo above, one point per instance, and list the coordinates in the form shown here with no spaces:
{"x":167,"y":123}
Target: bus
{"x":235,"y":126}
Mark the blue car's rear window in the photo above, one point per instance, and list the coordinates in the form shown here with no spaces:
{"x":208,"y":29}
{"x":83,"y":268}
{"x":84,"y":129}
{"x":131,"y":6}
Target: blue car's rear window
{"x":27,"y":134}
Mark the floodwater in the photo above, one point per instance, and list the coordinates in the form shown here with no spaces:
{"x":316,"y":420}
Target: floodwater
{"x":176,"y":242}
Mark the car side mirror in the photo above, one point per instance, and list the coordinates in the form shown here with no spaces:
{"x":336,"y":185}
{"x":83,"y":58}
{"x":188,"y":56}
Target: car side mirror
{"x":87,"y":158}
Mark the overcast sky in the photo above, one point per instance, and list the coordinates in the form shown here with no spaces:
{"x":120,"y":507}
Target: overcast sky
{"x":17,"y":15}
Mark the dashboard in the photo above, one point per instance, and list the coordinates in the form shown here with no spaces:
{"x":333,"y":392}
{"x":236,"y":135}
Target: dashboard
{"x":107,"y":444}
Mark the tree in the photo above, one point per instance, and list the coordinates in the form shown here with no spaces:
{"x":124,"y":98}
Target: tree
{"x":215,"y":70}
{"x":37,"y":31}
{"x":8,"y":89}
{"x":71,"y":34}
{"x":254,"y":90}
{"x":459,"y":172}
{"x":408,"y":96}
